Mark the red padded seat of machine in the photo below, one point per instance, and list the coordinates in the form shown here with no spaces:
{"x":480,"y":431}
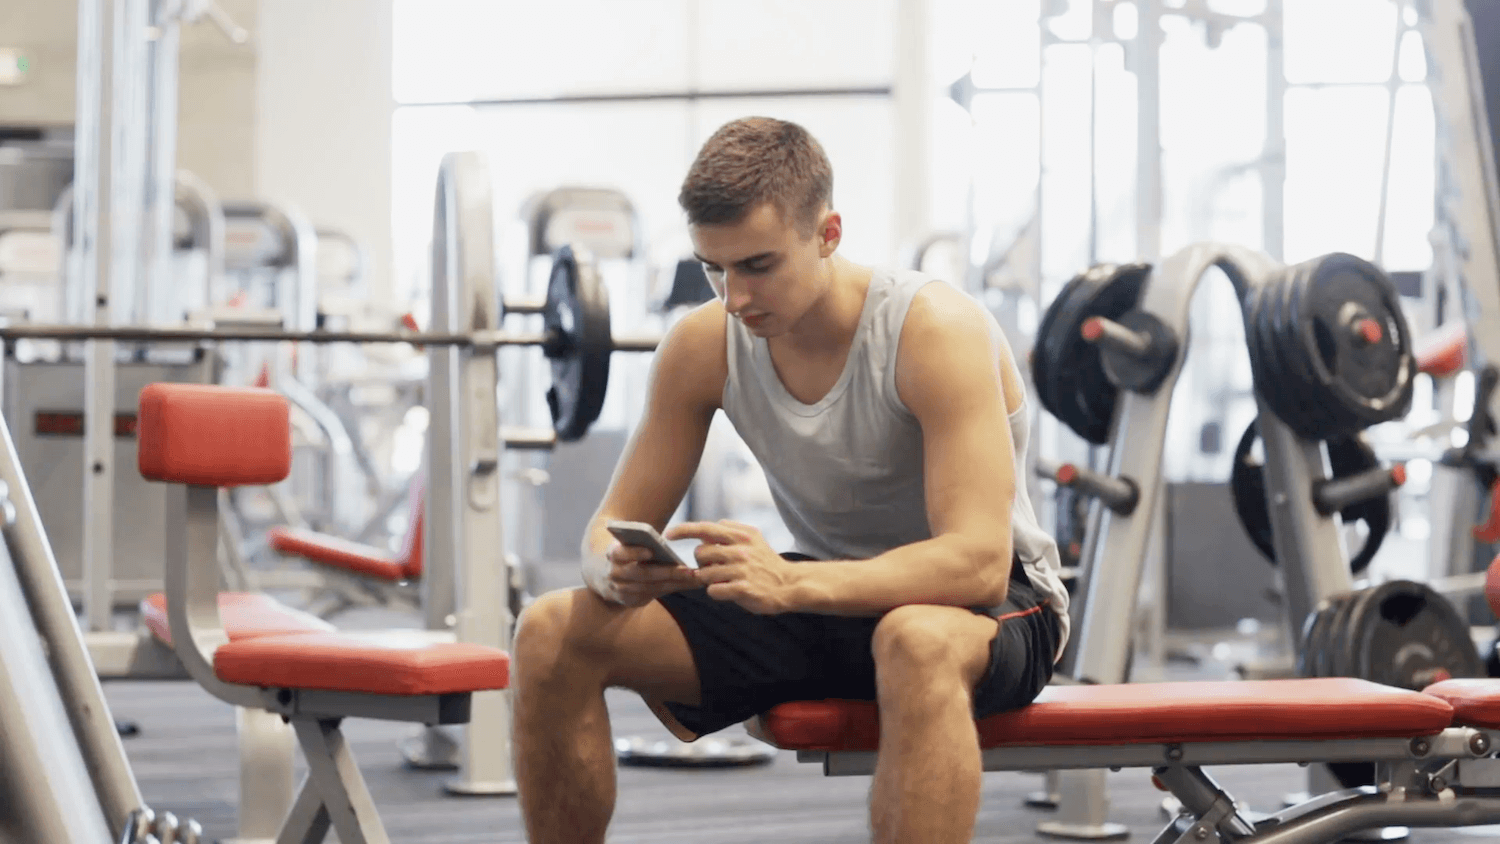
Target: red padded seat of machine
{"x":244,"y":614}
{"x":1148,"y":713}
{"x":1443,"y":353}
{"x":332,"y":551}
{"x":335,"y":552}
{"x":386,"y":662}
{"x":1476,"y":703}
{"x":210,"y":435}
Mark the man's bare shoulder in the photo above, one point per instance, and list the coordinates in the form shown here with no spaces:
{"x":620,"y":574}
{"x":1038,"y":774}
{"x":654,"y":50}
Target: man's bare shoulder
{"x":692,"y":358}
{"x":940,"y":309}
{"x":947,"y":330}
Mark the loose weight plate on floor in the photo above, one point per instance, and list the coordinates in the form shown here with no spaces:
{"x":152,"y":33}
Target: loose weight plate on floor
{"x":708,"y":752}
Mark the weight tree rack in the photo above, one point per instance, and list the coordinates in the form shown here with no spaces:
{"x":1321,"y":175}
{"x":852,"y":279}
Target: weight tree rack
{"x":1306,"y":540}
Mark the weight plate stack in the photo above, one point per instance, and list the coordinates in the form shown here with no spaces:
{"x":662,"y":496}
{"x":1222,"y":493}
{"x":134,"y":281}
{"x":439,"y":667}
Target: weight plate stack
{"x":1400,"y":634}
{"x":1067,"y":370}
{"x":1329,"y":346}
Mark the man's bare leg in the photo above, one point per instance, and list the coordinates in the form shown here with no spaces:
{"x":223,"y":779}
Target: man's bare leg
{"x":569,"y":648}
{"x":929,"y":772}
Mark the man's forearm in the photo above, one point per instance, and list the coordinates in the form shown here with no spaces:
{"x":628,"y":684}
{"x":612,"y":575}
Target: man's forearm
{"x":946,"y":571}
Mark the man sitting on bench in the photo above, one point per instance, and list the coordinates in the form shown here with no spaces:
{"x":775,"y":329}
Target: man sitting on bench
{"x":888,"y":414}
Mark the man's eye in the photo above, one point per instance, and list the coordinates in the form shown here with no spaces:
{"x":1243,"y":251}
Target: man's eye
{"x":713,"y":270}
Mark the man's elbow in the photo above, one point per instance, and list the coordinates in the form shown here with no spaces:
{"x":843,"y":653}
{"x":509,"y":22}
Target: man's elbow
{"x":990,"y":565}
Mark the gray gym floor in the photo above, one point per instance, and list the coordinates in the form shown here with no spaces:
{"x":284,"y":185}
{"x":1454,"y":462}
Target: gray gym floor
{"x":185,"y":760}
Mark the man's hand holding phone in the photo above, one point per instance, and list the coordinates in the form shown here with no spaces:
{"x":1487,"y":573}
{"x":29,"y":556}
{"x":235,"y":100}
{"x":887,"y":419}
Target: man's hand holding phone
{"x":642,"y":567}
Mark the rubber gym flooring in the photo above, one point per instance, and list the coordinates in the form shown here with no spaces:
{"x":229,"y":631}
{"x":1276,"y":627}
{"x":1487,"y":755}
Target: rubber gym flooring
{"x":185,"y":760}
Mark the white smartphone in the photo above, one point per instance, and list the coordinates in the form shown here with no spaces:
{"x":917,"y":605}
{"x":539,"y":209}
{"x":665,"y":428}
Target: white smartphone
{"x":642,"y":535}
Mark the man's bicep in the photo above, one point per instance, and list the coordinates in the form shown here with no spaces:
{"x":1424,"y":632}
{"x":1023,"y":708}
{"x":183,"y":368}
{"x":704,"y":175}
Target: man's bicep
{"x":950,"y":380}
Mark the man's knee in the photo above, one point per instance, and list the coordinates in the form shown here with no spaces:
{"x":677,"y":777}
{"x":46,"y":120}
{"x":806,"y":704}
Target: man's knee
{"x":920,"y":641}
{"x":558,"y":625}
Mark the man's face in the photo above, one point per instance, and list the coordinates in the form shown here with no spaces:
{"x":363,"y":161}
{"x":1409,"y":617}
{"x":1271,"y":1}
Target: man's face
{"x":764,"y":270}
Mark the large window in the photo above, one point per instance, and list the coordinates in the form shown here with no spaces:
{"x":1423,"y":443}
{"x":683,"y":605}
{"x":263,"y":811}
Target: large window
{"x":460,"y":67}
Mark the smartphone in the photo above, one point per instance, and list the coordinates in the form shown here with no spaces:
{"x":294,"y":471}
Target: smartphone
{"x":643,"y":535}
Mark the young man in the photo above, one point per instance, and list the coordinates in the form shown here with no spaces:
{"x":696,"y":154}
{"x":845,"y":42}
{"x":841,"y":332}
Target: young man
{"x":889,"y":417}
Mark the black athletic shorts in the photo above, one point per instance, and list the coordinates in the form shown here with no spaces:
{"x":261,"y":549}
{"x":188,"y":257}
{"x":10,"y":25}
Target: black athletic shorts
{"x":749,"y":663}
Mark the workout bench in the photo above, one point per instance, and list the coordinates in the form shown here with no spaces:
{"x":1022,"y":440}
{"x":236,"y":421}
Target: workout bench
{"x":1433,"y":750}
{"x":200,"y":438}
{"x":359,"y":574}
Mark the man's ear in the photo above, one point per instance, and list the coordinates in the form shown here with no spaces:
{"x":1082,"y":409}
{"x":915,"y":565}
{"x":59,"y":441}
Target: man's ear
{"x":830,"y":232}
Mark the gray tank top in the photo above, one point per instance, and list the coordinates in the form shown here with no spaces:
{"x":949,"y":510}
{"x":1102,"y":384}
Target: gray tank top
{"x":846,"y":473}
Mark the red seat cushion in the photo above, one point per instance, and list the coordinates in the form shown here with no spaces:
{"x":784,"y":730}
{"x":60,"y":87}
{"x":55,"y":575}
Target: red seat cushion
{"x":334,"y":552}
{"x":1442,"y":354}
{"x":1144,"y":713}
{"x":244,"y":614}
{"x":387,"y":662}
{"x":209,"y":435}
{"x":1476,"y":703}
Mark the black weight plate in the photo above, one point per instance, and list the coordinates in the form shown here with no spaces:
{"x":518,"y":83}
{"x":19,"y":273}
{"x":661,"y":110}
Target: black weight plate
{"x":1247,"y":490}
{"x":1297,"y":399}
{"x":1145,"y":373}
{"x":578,"y":343}
{"x":1336,"y":660}
{"x":1352,"y":456}
{"x":1405,"y":632}
{"x":1048,"y":389}
{"x":1073,"y":386}
{"x":1310,"y":407}
{"x":1314,"y":636}
{"x":1370,"y":383}
{"x":1273,"y":382}
{"x":1347,"y":456}
{"x":1084,"y":403}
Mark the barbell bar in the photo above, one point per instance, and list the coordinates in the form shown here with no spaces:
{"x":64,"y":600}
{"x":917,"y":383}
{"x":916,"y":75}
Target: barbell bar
{"x":473,"y":339}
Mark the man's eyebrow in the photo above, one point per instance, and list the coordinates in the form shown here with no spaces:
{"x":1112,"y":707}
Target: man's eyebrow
{"x":760,"y":256}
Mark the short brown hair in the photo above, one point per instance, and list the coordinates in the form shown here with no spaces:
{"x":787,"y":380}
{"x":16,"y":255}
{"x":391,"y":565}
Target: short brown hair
{"x":754,"y":160}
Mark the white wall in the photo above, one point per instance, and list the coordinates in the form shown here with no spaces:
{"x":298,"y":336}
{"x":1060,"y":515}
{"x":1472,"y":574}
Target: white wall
{"x":216,"y":93}
{"x":323,"y":118}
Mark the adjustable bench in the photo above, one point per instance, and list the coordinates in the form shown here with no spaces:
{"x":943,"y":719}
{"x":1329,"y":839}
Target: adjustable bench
{"x":201,"y":437}
{"x":267,"y":747}
{"x":1434,"y":749}
{"x":357,"y":574}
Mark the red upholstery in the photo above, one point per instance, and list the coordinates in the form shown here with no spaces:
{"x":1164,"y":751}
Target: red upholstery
{"x":335,"y":552}
{"x":375,"y":662}
{"x":1142,"y":713}
{"x":1492,"y":582}
{"x":244,"y":614}
{"x":213,"y":436}
{"x":1476,"y":703}
{"x":1442,"y":354}
{"x":367,"y":560}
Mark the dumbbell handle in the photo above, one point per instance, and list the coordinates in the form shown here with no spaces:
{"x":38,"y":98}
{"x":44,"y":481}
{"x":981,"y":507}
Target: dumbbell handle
{"x":1333,"y":495}
{"x":1104,"y":331}
{"x":1120,"y":495}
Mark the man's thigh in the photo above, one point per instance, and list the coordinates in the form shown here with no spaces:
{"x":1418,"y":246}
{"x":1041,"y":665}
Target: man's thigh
{"x":746,"y":663}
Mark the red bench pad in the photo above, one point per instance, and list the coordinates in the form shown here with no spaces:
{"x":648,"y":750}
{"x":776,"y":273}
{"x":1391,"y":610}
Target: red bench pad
{"x":213,"y":436}
{"x":1476,"y":703}
{"x":244,"y":614}
{"x":1442,"y":354}
{"x":1145,"y":713}
{"x":335,"y":552}
{"x":387,"y":662}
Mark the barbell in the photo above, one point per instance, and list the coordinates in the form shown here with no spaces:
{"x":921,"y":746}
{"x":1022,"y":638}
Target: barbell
{"x":576,"y":338}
